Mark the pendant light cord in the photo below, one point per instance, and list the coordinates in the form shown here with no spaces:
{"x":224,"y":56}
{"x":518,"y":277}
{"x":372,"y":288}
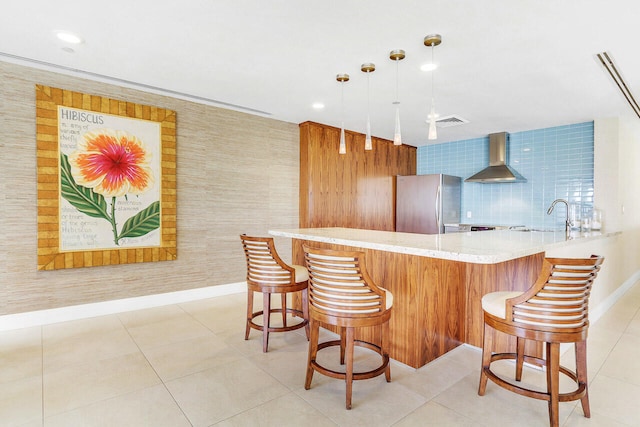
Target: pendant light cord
{"x":342,"y":101}
{"x":397,"y":85}
{"x":433,"y":94}
{"x":368,"y":99}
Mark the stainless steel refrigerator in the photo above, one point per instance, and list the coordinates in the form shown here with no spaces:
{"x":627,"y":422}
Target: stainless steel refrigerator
{"x":425,"y":203}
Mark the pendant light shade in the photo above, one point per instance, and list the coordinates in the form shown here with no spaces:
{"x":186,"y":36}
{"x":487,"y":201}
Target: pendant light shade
{"x":342,"y":78}
{"x":368,"y":144}
{"x":368,"y":68}
{"x":432,"y":40}
{"x":433,"y":133}
{"x":397,"y":56}
{"x":343,"y":142}
{"x":397,"y":134}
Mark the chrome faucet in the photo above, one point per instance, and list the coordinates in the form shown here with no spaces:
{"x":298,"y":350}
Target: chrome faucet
{"x":567,"y":224}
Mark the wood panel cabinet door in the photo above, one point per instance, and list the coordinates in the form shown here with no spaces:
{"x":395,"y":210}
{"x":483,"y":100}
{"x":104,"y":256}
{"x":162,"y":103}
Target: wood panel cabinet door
{"x":352,"y":190}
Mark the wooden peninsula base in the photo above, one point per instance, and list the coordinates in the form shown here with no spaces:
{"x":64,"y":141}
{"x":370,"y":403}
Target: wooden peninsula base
{"x":437,"y":302}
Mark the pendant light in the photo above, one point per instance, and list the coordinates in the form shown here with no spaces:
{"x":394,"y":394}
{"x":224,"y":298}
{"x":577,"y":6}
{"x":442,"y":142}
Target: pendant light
{"x":368,"y":68}
{"x":432,"y":40}
{"x":342,"y":78}
{"x":397,"y":56}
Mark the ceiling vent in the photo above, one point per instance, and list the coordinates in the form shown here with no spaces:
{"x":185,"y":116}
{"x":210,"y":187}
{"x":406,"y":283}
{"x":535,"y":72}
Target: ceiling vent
{"x":608,"y":64}
{"x":449,"y":121}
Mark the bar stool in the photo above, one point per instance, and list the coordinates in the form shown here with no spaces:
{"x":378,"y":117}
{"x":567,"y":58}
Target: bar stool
{"x":268,"y":274}
{"x":342,"y":294}
{"x":553,"y":311}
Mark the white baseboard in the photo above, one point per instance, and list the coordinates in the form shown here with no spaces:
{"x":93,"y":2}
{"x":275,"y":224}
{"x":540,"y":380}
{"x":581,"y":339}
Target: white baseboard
{"x":63,"y":314}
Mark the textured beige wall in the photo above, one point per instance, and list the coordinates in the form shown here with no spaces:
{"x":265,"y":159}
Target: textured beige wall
{"x":237,"y":173}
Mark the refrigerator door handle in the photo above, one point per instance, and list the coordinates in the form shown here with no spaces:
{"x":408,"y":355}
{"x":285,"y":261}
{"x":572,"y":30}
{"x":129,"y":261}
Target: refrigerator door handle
{"x":438,"y":209}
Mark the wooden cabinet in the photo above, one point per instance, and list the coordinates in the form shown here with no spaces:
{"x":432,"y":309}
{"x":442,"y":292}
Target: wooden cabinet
{"x":356,"y":189}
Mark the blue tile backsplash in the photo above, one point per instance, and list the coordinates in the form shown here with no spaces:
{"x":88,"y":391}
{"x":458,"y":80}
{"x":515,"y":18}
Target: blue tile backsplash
{"x":557,"y":163}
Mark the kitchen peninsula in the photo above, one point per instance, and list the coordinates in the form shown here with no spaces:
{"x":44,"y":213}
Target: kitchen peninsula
{"x":438,"y":280}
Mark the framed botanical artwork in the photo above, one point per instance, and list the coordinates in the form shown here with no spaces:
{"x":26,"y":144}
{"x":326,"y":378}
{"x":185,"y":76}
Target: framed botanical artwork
{"x":106,"y":181}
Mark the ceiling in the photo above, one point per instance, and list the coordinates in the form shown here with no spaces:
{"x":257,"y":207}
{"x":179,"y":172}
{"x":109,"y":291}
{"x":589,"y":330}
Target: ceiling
{"x":503,"y":65}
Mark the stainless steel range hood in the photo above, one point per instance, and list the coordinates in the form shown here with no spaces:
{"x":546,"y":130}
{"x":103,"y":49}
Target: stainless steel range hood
{"x":498,"y":171}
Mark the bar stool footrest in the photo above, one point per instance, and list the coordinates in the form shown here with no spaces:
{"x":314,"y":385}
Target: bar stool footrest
{"x":356,"y":375}
{"x":297,"y":313}
{"x":576,"y":394}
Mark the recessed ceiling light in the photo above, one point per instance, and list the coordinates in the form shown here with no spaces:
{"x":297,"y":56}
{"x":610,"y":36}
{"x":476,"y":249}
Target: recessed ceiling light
{"x":429,"y":66}
{"x":317,"y":106}
{"x":69,"y":37}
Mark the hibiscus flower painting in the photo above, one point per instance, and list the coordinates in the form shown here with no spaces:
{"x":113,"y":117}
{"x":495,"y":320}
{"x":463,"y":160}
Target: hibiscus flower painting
{"x":107,"y":165}
{"x":112,"y":163}
{"x":109,"y":181}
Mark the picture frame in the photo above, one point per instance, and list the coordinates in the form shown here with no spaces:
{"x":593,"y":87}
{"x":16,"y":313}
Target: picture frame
{"x":107,"y":190}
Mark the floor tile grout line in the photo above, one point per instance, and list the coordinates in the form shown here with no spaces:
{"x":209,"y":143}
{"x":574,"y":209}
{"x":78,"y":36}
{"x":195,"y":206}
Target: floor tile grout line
{"x":155,"y":372}
{"x":164,"y":383}
{"x":598,"y":371}
{"x":442,"y":406}
{"x":622,"y":333}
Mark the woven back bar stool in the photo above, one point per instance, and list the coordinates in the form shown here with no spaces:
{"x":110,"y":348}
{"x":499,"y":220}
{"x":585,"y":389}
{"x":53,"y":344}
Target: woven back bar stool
{"x":553,"y":311}
{"x":268,"y":274}
{"x":342,"y":294}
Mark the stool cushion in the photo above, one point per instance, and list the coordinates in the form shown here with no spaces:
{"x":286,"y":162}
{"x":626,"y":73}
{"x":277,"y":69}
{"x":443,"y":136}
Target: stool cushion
{"x":494,"y":303}
{"x":388,"y":298}
{"x":301,"y":273}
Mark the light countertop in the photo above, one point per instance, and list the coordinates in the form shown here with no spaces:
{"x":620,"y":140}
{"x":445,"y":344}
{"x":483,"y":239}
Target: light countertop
{"x":480,"y":247}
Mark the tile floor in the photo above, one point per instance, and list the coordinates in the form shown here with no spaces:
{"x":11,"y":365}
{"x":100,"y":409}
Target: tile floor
{"x":188,"y":365}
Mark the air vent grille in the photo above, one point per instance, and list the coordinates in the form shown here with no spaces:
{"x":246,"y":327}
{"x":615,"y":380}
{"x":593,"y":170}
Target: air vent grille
{"x":607,"y":63}
{"x":195,"y":98}
{"x":449,"y":121}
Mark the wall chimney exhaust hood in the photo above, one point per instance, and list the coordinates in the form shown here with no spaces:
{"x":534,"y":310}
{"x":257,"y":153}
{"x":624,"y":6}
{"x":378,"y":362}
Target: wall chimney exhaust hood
{"x":498,"y":171}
